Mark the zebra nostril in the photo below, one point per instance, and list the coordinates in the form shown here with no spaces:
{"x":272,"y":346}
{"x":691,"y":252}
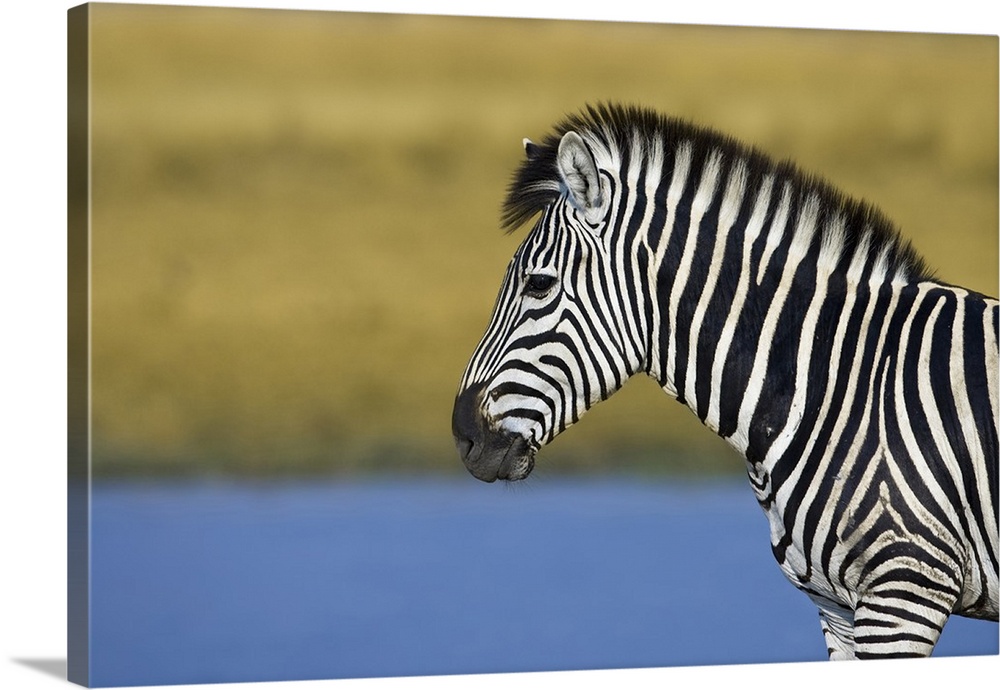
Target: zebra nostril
{"x":465,"y":421}
{"x":465,"y":447}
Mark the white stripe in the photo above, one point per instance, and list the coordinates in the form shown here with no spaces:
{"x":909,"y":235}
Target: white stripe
{"x":850,"y":458}
{"x":731,"y":200}
{"x":832,"y":243}
{"x":805,"y":230}
{"x":776,"y":231}
{"x":739,"y":298}
{"x":992,"y":356}
{"x":913,"y":449}
{"x":963,"y":406}
{"x":880,"y":269}
{"x":992,"y":372}
{"x":699,"y":205}
{"x":926,"y":402}
{"x":740,"y":438}
{"x":682,"y":167}
{"x":855,"y":271}
{"x":654,"y":171}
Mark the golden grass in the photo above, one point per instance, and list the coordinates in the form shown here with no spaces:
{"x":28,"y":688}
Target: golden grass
{"x":295,"y":244}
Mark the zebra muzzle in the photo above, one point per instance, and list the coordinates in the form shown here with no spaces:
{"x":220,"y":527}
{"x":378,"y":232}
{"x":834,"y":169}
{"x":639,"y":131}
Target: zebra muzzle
{"x":489,"y":454}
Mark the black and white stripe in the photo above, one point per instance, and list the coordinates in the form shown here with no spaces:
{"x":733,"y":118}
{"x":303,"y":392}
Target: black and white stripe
{"x":795,"y":322}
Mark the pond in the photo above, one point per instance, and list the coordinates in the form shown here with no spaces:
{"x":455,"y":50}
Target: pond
{"x":229,"y":581}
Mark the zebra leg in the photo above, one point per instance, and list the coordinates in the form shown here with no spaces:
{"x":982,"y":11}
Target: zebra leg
{"x":895,"y":621}
{"x":837,"y":624}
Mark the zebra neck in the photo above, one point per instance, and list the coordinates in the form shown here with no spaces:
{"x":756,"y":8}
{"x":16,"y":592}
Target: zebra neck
{"x":746,"y":272}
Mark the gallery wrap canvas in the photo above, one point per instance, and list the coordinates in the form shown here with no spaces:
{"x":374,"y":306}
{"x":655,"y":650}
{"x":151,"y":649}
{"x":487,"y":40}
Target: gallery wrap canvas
{"x":284,"y":245}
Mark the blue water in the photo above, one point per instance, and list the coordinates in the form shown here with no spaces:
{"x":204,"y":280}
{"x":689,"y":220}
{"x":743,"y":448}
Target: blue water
{"x":226,"y":582}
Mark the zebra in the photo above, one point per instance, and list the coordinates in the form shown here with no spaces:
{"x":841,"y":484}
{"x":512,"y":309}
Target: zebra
{"x":794,"y":321}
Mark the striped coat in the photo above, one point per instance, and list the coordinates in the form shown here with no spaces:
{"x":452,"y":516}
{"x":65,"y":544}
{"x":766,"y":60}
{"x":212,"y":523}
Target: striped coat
{"x":795,"y":322}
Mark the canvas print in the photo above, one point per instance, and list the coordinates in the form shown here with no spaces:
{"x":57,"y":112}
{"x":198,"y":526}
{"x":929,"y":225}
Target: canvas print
{"x":419,"y":345}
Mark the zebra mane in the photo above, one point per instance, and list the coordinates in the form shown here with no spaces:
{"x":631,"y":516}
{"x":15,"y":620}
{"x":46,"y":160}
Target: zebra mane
{"x":536,"y":183}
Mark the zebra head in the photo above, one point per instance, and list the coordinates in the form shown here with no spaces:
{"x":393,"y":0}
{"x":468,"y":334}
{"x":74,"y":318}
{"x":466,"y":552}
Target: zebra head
{"x":555,"y":344}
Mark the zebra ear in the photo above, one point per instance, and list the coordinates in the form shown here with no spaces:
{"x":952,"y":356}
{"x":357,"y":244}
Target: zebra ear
{"x":579,"y":173}
{"x":531,"y":150}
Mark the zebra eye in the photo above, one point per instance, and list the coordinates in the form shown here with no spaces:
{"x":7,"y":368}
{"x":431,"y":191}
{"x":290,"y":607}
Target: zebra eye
{"x":538,"y":284}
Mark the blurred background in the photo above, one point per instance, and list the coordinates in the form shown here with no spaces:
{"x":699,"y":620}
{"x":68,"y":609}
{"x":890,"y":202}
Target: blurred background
{"x":295,"y":214}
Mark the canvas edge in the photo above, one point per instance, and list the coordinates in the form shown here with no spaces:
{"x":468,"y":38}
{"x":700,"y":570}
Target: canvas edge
{"x":78,"y":345}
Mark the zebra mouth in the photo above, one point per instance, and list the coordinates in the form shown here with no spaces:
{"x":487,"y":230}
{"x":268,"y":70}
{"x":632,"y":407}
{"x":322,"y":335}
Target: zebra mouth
{"x":498,"y":456}
{"x":517,"y":462}
{"x":489,"y":454}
